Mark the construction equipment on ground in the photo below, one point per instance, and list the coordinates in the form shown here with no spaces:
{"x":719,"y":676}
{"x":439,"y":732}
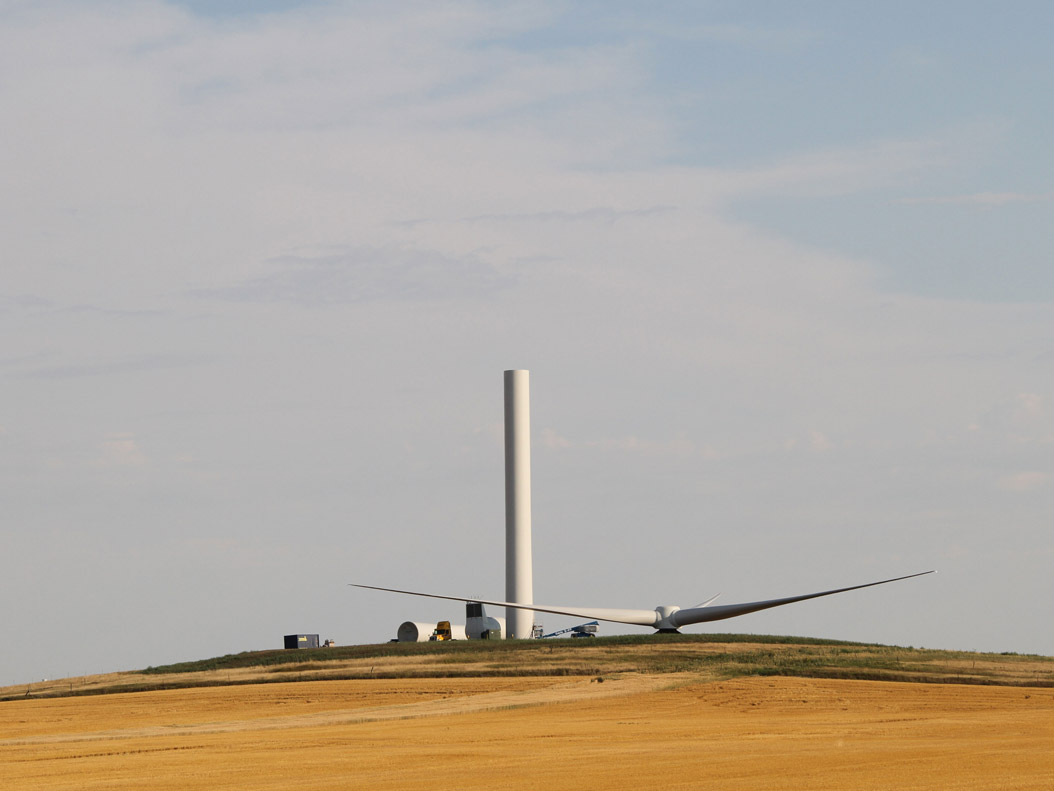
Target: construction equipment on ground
{"x":582,"y":630}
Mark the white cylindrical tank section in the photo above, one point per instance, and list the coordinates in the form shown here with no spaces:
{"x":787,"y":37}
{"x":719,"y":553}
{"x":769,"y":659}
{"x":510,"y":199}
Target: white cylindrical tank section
{"x":457,"y":631}
{"x":416,"y":632}
{"x":519,"y":585}
{"x":413,"y":632}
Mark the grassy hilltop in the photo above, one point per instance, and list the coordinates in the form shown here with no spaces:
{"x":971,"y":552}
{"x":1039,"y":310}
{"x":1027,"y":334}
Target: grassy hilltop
{"x":712,"y":656}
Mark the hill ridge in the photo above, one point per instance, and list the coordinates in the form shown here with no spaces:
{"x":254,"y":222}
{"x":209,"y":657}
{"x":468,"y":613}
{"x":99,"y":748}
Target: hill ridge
{"x":711,"y":656}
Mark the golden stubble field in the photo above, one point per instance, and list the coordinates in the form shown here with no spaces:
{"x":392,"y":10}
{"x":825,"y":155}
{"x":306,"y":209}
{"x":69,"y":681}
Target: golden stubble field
{"x":631,"y":731}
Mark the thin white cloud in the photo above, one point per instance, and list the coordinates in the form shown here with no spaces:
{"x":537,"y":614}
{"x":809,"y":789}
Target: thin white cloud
{"x":846,"y":170}
{"x":1026,"y":481}
{"x":747,"y":36}
{"x":110,"y":367}
{"x":677,"y":446}
{"x":554,"y":441}
{"x":819,"y":442}
{"x":361,"y":275}
{"x":603,"y":214}
{"x":981,"y":199}
{"x":1023,"y":418}
{"x":120,"y":450}
{"x":12,"y":302}
{"x":814,"y":441}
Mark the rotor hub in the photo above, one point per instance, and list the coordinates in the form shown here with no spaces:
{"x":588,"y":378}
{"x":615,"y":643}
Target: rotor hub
{"x":664,"y":618}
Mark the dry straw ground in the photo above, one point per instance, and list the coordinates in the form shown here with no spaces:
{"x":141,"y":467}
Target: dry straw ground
{"x":643,"y":717}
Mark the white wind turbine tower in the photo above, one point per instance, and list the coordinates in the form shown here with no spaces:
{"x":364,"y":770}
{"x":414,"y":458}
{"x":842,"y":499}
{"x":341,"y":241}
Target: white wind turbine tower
{"x":519,"y":573}
{"x":519,"y":585}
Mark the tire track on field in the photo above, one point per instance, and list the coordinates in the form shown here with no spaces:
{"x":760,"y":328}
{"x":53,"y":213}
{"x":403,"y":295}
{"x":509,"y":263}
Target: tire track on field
{"x":563,"y":692}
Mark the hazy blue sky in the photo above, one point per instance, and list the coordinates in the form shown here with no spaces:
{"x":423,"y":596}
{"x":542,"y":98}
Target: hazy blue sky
{"x":781,"y":273}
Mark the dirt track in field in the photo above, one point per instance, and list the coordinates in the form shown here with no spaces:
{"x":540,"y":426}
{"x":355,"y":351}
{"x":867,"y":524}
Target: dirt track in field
{"x":631,"y":732}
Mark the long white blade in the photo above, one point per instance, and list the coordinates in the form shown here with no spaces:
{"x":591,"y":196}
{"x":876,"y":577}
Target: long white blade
{"x":700,"y":614}
{"x":635,"y":617}
{"x":709,"y":601}
{"x":703,"y":614}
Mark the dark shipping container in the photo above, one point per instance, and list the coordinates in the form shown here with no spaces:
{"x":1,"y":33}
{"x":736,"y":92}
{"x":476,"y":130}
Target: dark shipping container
{"x":301,"y":641}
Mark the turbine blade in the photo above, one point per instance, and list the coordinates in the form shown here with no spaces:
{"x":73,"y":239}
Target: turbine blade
{"x":704,"y":614}
{"x":635,"y":617}
{"x":708,"y":602}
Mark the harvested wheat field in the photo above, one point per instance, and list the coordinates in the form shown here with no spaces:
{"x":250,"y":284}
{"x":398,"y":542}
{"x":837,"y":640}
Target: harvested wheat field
{"x":626,"y":730}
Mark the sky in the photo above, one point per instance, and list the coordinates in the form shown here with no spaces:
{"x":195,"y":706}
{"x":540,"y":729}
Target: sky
{"x":781,"y":274}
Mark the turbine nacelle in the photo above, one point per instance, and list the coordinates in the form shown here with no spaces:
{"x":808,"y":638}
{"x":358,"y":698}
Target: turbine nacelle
{"x":664,"y":619}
